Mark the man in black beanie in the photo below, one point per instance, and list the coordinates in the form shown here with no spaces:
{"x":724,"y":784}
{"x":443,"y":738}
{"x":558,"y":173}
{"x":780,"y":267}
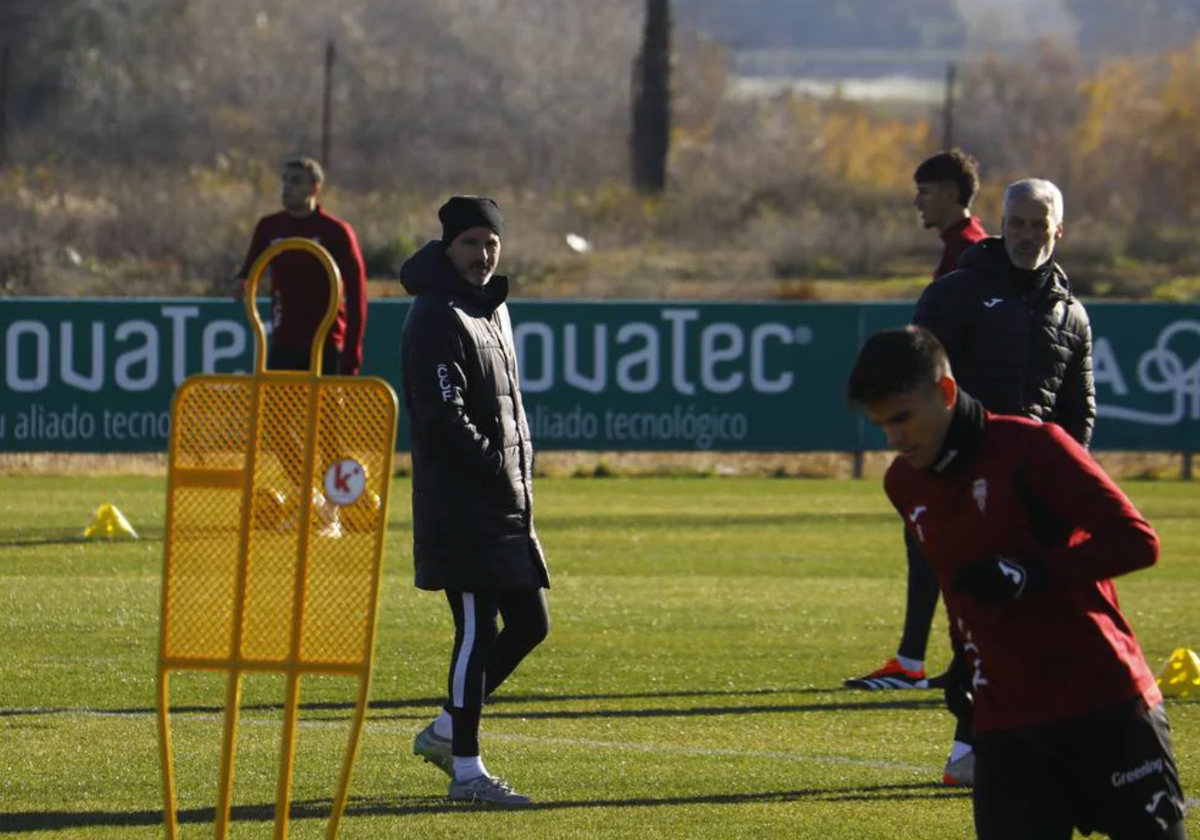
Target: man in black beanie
{"x":472,"y":458}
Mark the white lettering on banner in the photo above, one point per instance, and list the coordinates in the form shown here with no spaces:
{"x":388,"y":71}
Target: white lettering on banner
{"x":47,"y":425}
{"x":682,"y":424}
{"x":66,"y":367}
{"x":1161,"y":371}
{"x":576,"y":424}
{"x":646,"y":358}
{"x":758,"y":340}
{"x":545,"y":382}
{"x":1106,"y":370}
{"x":12,"y":355}
{"x":178,"y":316}
{"x":212,"y":352}
{"x":679,"y":319}
{"x":33,"y":363}
{"x":599,"y":378}
{"x":711,"y":355}
{"x":133,"y":425}
{"x":146,"y":356}
{"x":731,"y":356}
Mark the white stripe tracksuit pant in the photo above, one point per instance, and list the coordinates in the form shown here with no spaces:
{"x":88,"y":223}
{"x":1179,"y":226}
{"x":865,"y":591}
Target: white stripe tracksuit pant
{"x":484,"y":655}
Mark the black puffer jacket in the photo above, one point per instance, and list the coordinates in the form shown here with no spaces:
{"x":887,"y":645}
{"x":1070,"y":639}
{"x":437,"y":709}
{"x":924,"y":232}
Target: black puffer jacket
{"x":472,"y":457}
{"x":1018,"y":341}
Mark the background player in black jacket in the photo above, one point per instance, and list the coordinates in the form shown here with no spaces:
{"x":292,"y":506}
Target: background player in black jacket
{"x":1024,"y":532}
{"x":472,"y":480}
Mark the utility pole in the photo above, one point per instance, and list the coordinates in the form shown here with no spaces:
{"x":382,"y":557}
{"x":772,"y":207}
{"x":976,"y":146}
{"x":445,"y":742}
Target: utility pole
{"x":327,"y":108}
{"x":651,"y":140}
{"x":3,"y":105}
{"x":948,"y":109}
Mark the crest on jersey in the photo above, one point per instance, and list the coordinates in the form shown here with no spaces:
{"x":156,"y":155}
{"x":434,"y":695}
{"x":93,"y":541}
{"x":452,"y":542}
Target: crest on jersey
{"x":979,"y":491}
{"x":914,"y":516}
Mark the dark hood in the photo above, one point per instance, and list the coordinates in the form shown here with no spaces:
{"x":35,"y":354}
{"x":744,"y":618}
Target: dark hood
{"x":988,"y":257}
{"x":429,"y":271}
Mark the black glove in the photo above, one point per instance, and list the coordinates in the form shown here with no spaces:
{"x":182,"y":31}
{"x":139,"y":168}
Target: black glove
{"x":957,"y":689}
{"x":996,"y":580}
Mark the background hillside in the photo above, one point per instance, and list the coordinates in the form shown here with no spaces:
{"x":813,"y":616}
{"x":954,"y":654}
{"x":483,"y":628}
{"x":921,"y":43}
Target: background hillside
{"x":1096,"y":28}
{"x":141,"y":139}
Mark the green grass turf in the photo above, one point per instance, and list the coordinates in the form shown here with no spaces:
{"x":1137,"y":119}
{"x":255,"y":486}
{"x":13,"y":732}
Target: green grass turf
{"x":689,"y":687}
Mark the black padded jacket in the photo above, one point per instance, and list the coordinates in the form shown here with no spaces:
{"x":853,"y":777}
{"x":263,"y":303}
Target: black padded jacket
{"x":472,"y":457}
{"x":1018,"y":341}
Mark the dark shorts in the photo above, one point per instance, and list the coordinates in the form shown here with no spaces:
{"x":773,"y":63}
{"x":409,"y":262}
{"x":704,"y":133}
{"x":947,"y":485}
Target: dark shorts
{"x":1111,"y":772}
{"x":291,"y":358}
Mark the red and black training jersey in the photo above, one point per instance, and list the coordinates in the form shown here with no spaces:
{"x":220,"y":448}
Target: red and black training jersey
{"x":958,"y":237}
{"x":1007,"y":486}
{"x":299,"y":286}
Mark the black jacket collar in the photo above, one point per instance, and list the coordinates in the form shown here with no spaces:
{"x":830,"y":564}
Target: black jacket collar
{"x":429,"y":270}
{"x":987,"y":257}
{"x":964,"y":436}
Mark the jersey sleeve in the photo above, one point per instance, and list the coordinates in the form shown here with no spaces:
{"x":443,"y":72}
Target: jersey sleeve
{"x":354,"y":291}
{"x":435,"y":379}
{"x":258,"y":244}
{"x":1065,"y":481}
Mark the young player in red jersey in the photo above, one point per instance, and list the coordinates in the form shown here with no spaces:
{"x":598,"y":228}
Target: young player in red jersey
{"x":300,"y":299}
{"x":946,"y":185}
{"x":1024,"y":532}
{"x":299,"y":286}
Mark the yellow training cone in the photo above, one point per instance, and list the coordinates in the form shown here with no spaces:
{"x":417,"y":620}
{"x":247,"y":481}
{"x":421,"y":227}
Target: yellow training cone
{"x":109,"y":524}
{"x":1180,"y":676}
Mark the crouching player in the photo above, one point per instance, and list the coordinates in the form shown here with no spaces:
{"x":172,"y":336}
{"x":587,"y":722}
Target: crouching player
{"x":1024,"y":532}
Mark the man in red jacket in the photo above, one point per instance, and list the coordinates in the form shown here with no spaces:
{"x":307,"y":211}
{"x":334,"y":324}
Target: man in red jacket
{"x":299,"y":285}
{"x":299,"y":300}
{"x":1024,"y":532}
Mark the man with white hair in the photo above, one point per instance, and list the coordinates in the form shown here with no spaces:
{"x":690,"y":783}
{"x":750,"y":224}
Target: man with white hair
{"x":1020,"y":343}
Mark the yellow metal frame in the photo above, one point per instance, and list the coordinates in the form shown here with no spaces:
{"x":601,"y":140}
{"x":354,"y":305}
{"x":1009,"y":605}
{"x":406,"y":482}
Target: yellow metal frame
{"x":185,"y":478}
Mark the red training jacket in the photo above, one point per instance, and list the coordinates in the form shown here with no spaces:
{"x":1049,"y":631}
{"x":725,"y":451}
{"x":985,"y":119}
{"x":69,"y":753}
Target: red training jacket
{"x":958,"y":237}
{"x":299,"y":286}
{"x":1029,"y":490}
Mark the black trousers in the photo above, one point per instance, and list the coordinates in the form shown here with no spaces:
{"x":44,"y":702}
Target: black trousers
{"x":1111,"y":771}
{"x":288,"y":443}
{"x":289,"y":358}
{"x":484,"y":655}
{"x":920,"y":603}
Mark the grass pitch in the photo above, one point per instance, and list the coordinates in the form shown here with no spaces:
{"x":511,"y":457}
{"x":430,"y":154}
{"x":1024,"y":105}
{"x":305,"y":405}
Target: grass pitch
{"x":689,"y":687}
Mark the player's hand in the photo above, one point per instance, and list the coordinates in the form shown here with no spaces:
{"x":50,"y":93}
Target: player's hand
{"x":997,"y":580}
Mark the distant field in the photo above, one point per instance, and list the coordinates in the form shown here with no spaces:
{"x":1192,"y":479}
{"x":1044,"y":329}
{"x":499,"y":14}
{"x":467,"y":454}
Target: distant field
{"x":689,"y":687}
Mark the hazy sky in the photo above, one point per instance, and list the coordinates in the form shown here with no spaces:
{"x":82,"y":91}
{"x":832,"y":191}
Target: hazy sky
{"x":1000,"y":21}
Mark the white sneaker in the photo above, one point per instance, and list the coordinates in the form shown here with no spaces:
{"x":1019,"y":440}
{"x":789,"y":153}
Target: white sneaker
{"x":435,"y":749}
{"x":488,"y":789}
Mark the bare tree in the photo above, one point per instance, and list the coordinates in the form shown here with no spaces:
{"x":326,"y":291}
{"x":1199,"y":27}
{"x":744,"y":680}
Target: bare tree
{"x":650,"y":143}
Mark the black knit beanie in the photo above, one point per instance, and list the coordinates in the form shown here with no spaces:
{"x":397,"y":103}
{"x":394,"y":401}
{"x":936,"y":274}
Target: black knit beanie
{"x":463,"y":212}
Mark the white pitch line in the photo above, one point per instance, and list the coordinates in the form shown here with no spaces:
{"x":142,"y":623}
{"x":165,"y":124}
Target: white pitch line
{"x":713,"y":751}
{"x":582,"y":743}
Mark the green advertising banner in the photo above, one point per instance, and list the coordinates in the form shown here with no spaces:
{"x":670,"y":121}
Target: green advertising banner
{"x":98,"y":375}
